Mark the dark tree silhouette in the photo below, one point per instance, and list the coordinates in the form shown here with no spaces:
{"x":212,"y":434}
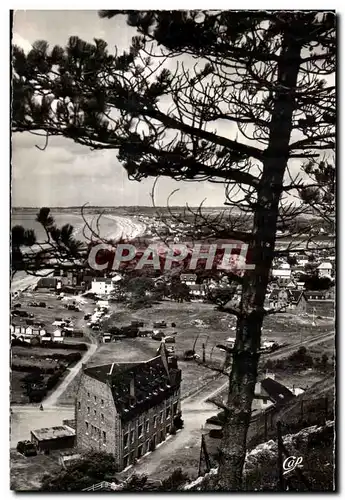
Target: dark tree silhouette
{"x":250,"y":103}
{"x":59,"y":247}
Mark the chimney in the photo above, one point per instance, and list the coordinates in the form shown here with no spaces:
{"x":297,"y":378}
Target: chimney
{"x":132,"y":388}
{"x":257,"y":388}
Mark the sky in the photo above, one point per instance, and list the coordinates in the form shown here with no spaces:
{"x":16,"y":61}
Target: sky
{"x":66,"y":173}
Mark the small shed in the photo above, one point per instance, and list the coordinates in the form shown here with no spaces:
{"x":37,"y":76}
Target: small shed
{"x":53,"y":438}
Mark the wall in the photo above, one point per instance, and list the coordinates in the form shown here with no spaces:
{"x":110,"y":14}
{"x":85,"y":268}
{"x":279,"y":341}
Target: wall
{"x":322,"y":308}
{"x":54,"y":444}
{"x":153,"y":434}
{"x":110,"y":423}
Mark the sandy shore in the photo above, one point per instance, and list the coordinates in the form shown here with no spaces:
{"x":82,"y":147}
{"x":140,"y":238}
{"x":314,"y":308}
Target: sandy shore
{"x":125,"y":227}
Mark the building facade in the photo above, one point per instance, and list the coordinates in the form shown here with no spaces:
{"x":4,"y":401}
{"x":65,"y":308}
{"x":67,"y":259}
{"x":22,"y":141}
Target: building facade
{"x":102,"y":286}
{"x":127,"y":409}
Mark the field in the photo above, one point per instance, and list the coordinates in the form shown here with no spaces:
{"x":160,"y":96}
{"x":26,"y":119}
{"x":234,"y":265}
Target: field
{"x":49,"y":361}
{"x":44,"y":358}
{"x":215,"y":328}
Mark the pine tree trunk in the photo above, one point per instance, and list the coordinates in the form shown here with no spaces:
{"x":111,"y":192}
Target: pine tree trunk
{"x":248,"y":332}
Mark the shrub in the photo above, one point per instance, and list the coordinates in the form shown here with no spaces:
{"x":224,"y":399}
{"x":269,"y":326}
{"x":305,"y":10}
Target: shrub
{"x":174,"y":481}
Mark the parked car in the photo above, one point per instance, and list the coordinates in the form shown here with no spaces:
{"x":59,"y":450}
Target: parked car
{"x":26,"y":448}
{"x":87,"y":316}
{"x":22,"y":314}
{"x":158,"y":335}
{"x":17,"y":306}
{"x":42,"y":304}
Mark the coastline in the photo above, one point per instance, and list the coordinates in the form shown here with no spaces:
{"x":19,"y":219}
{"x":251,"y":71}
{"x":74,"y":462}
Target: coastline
{"x":125,"y":227}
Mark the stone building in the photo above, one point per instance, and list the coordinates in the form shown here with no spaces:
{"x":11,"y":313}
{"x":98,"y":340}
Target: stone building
{"x":127,"y":409}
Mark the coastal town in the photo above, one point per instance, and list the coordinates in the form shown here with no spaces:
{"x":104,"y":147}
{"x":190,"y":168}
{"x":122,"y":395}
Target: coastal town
{"x":90,"y":348}
{"x":173,"y":251}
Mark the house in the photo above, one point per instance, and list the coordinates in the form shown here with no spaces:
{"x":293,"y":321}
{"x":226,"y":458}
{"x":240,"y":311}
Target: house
{"x":320,"y":295}
{"x":66,"y":277}
{"x":27,"y":333}
{"x":268,"y":392}
{"x":325,"y":270}
{"x":297,"y":301}
{"x":57,"y":336}
{"x":278,"y":299}
{"x":127,"y":409}
{"x":283,"y":275}
{"x":53,"y":438}
{"x":188,"y":278}
{"x":102,"y":286}
{"x":197,"y":292}
{"x":47,"y":283}
{"x":291,"y":285}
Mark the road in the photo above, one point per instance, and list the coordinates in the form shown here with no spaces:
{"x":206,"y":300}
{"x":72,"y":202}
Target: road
{"x":30,"y":417}
{"x":51,"y":400}
{"x":25,"y":418}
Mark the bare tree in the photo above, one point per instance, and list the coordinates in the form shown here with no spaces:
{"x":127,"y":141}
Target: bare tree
{"x":250,"y":101}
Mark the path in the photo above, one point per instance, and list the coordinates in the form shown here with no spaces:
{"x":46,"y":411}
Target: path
{"x":73,"y":372}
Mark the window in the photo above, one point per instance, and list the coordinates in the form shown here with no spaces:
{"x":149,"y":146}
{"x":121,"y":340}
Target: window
{"x":94,"y":412}
{"x":79,"y":405}
{"x":95,"y":399}
{"x":162,"y":436}
{"x":168,"y":411}
{"x":147,"y":428}
{"x":87,"y":427}
{"x":140,"y":451}
{"x":132,"y":436}
{"x":88,"y":395}
{"x":102,"y":402}
{"x":88,"y":410}
{"x":168,"y":429}
{"x":104,"y":437}
{"x":155,"y":421}
{"x":125,"y":461}
{"x":175,"y":409}
{"x":102,"y":417}
{"x":125,"y":440}
{"x":147,"y":448}
{"x":161,"y":415}
{"x":140,"y":430}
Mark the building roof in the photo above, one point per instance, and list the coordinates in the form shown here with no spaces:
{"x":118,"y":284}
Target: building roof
{"x":277,"y":293}
{"x":48,"y":433}
{"x":296,"y":296}
{"x":47,"y":282}
{"x":277,"y":392}
{"x":281,"y":272}
{"x":325,"y":265}
{"x":149,"y":380}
